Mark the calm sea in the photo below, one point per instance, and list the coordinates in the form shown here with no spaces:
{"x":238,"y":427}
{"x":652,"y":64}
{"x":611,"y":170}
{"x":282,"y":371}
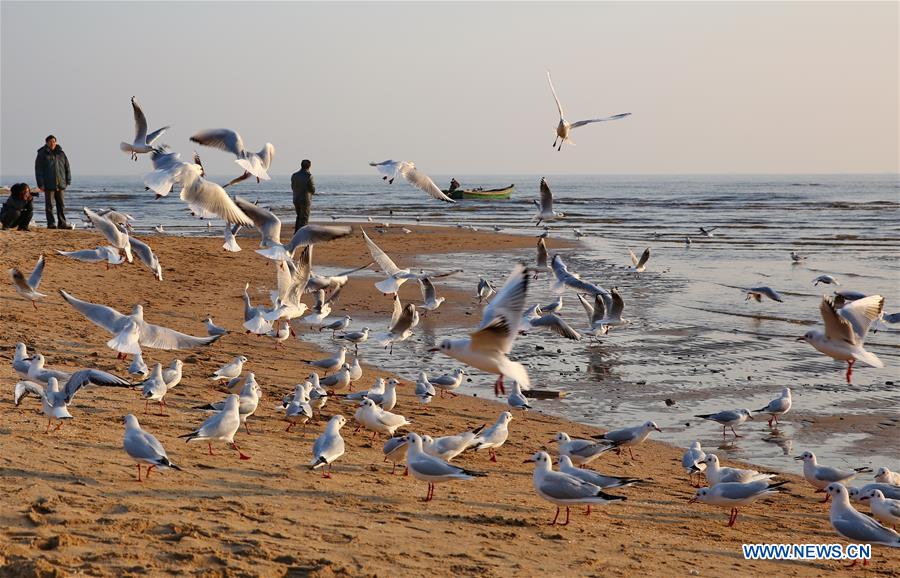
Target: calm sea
{"x":693,"y":339}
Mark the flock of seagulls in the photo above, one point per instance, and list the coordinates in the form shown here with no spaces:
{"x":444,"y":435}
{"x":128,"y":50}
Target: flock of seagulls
{"x":487,"y":347}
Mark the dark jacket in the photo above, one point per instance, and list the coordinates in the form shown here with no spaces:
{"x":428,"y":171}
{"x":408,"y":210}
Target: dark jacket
{"x":51,"y":169}
{"x":303,"y":185}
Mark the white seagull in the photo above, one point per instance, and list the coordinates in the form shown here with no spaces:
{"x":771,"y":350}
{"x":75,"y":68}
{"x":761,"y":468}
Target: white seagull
{"x":144,"y":447}
{"x":220,"y":427}
{"x":431,"y":469}
{"x":329,"y":446}
{"x":854,"y":526}
{"x":116,"y":237}
{"x":545,"y":205}
{"x":639,"y":265}
{"x":779,"y":406}
{"x":256,"y":164}
{"x":564,"y":128}
{"x":143,"y":142}
{"x":56,"y":399}
{"x":821,"y":476}
{"x":390,"y":169}
{"x":734,"y":494}
{"x":28,"y":288}
{"x":495,"y":436}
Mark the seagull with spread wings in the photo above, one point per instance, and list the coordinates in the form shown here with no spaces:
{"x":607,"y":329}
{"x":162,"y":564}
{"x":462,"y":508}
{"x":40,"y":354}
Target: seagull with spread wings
{"x":564,"y":128}
{"x":143,"y":142}
{"x":255,"y":164}
{"x":28,"y":288}
{"x":390,"y":169}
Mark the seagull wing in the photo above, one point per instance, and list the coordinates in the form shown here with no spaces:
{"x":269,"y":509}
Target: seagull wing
{"x":313,"y":234}
{"x":145,"y":254}
{"x":836,"y":326}
{"x":546,"y":198}
{"x":556,"y":98}
{"x":380,"y":257}
{"x":645,"y":256}
{"x":100,"y":315}
{"x":159,"y":337}
{"x":618,"y":305}
{"x":90,"y":376}
{"x":35,"y":278}
{"x":428,"y":292}
{"x":222,"y":139}
{"x":404,"y":320}
{"x":207,"y":199}
{"x":423,"y":182}
{"x":154,"y":136}
{"x":860,"y":314}
{"x":556,"y":324}
{"x":140,"y":123}
{"x":265,"y":221}
{"x":23,"y":388}
{"x":588,"y":307}
{"x":107,"y":228}
{"x":387,"y":169}
{"x":604,"y":119}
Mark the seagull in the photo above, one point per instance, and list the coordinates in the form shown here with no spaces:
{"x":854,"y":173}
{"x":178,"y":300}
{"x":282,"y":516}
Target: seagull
{"x":431,"y":469}
{"x":605,"y":313}
{"x":298,"y":409}
{"x":230,"y":370}
{"x":578,"y":451}
{"x":98,"y":255}
{"x":36,"y":371}
{"x":154,"y":389}
{"x":821,"y":476}
{"x":716,"y":474}
{"x":885,"y":510}
{"x":130,"y":332}
{"x":687,"y":242}
{"x":254,"y":317}
{"x":536,"y":318}
{"x":545,"y":206}
{"x":28,"y":288}
{"x":330,"y":363}
{"x":797,"y":257}
{"x":542,"y":256}
{"x":762,"y":290}
{"x":778,"y":407}
{"x":578,"y":234}
{"x":266,"y":222}
{"x":395,"y":452}
{"x":374,"y":393}
{"x":495,"y":436}
{"x":395,"y":275}
{"x":692,"y":461}
{"x":401,"y":329}
{"x":728,"y":418}
{"x":118,"y":239}
{"x":487,"y":348}
{"x":564,"y":128}
{"x":377,"y":420}
{"x":56,"y":399}
{"x":628,"y":437}
{"x":856,"y":527}
{"x":172,"y":375}
{"x":144,"y":447}
{"x":450,"y":382}
{"x":409,"y":172}
{"x":338,"y":325}
{"x":21,"y":362}
{"x":639,"y":265}
{"x":826,"y":279}
{"x":889,"y":491}
{"x":484,"y":290}
{"x":168,"y":169}
{"x":220,"y":427}
{"x":356,"y":337}
{"x":159,"y":228}
{"x":430,"y":300}
{"x":734,"y":494}
{"x":231,"y":244}
{"x":339,"y":379}
{"x":329,"y":446}
{"x":388,"y":399}
{"x":563,"y":489}
{"x":573,"y":281}
{"x":448,"y":447}
{"x":146,"y":256}
{"x":256,"y":164}
{"x":846,"y":329}
{"x":138,"y":367}
{"x":708,"y":233}
{"x":206,"y":199}
{"x":886,"y":476}
{"x":424,"y":389}
{"x":248,"y":401}
{"x":212,"y":328}
{"x":517,"y":399}
{"x":143,"y":142}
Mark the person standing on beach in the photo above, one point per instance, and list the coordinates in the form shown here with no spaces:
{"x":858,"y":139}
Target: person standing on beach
{"x":51,"y":170}
{"x":304,"y":187}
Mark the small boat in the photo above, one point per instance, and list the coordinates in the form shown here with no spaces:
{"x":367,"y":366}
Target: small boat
{"x":481,"y":194}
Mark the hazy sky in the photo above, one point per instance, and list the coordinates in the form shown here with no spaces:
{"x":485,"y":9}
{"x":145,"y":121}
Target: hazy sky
{"x":460,"y":88}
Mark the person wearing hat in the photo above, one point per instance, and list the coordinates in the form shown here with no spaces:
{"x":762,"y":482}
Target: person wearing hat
{"x":51,"y":170}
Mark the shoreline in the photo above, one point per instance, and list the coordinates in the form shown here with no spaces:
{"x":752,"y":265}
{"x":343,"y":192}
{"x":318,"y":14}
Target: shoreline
{"x":269,"y":515}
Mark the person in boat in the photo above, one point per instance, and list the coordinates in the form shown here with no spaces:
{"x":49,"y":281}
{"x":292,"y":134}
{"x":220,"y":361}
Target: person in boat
{"x":454,"y":184}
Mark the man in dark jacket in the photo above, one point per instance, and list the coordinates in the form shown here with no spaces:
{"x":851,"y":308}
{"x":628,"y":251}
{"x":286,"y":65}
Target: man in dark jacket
{"x":51,"y":170}
{"x":17,"y":210}
{"x":304,"y":188}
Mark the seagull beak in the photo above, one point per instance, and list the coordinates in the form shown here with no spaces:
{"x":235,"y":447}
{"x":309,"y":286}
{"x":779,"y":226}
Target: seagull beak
{"x":528,"y":460}
{"x":798,"y":457}
{"x":801,"y":339}
{"x":660,"y":431}
{"x":692,"y":500}
{"x":434,"y":349}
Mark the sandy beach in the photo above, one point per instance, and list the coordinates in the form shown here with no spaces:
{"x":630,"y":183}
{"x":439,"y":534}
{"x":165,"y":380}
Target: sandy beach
{"x":71,"y":504}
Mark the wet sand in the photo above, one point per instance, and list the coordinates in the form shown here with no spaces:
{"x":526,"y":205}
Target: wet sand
{"x":71,"y":504}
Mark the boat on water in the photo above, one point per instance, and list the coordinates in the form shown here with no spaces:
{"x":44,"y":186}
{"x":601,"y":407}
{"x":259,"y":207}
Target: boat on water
{"x":481,"y":194}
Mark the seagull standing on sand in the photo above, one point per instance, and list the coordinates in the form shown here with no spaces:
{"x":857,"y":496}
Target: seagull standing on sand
{"x":885,"y":510}
{"x":450,"y":382}
{"x":778,"y":407}
{"x":28,"y":288}
{"x":138,"y":367}
{"x":154,"y":389}
{"x":854,"y":526}
{"x":143,"y":142}
{"x":564,"y":128}
{"x":734,"y":494}
{"x":846,"y":329}
{"x":580,"y":452}
{"x":220,"y":427}
{"x":717,"y":474}
{"x":821,"y":476}
{"x":564,"y":489}
{"x":728,"y":418}
{"x":329,"y":446}
{"x":448,"y":447}
{"x":431,"y":469}
{"x":144,"y":447}
{"x":298,"y":409}
{"x":692,"y":462}
{"x":886,"y":476}
{"x":332,"y":363}
{"x":487,"y":348}
{"x":567,"y":467}
{"x":495,"y":436}
{"x":395,"y":452}
{"x":230,"y":370}
{"x":212,"y":328}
